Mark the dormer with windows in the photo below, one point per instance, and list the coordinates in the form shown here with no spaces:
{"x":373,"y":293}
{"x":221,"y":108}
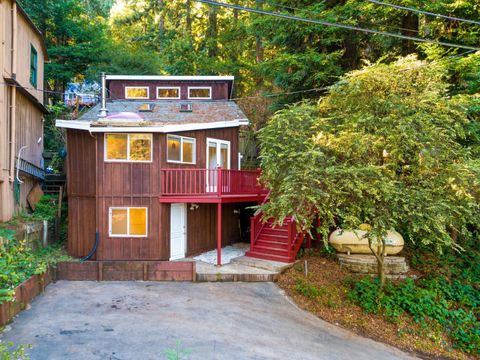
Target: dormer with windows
{"x":128,"y":87}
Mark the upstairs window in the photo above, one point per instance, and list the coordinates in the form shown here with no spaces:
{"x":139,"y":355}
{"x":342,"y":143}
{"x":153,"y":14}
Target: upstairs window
{"x":200,"y":92}
{"x":180,"y":149}
{"x":137,"y":92}
{"x":128,"y":221}
{"x":33,"y":66}
{"x":128,"y":147}
{"x":164,"y":92}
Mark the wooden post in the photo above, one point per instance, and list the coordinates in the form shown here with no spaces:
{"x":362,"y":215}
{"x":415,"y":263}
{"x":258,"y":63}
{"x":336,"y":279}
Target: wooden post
{"x":219,"y":234}
{"x":60,"y":198}
{"x":219,"y":181}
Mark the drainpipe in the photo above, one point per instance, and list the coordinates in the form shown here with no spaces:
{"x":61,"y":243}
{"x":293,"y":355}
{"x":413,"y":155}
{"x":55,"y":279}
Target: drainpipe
{"x":13,"y":97}
{"x":103,"y":110}
{"x":18,"y":163}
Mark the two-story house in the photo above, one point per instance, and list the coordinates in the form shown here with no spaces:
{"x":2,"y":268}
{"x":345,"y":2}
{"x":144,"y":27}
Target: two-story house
{"x":22,"y":57}
{"x":155,"y":172}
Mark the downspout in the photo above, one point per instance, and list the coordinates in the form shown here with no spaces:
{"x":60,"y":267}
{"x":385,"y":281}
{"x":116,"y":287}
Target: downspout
{"x":13,"y":97}
{"x":18,"y":163}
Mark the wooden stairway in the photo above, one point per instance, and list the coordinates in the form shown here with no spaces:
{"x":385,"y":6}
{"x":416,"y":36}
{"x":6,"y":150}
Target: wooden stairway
{"x":280,"y":243}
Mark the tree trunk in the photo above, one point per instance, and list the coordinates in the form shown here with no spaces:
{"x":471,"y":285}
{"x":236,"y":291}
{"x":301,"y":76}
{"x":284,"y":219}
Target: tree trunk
{"x":189,"y":19}
{"x":379,"y":252}
{"x":161,"y":24}
{"x":259,"y":51}
{"x":410,"y":26}
{"x":259,"y":54}
{"x":212,"y":32}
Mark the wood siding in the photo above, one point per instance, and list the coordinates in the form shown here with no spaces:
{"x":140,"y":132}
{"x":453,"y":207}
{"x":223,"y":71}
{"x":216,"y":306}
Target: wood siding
{"x":81,"y":189}
{"x":20,"y":119}
{"x":95,"y":185}
{"x":202,"y":227}
{"x":229,"y":134}
{"x":220,"y":89}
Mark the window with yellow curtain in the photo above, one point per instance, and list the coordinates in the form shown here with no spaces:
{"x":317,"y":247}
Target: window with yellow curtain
{"x":180,"y":149}
{"x":128,"y":147}
{"x":136,"y":92}
{"x":128,"y":221}
{"x":116,"y":146}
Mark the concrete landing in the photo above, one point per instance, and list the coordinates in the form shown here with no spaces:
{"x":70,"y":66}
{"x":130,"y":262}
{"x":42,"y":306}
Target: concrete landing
{"x":233,"y":272}
{"x":269,"y":265}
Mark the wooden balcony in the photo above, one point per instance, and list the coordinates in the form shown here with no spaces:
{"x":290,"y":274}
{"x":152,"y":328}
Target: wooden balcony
{"x":210,"y":186}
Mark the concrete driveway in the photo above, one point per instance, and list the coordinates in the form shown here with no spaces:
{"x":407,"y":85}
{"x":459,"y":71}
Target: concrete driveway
{"x":142,"y":320}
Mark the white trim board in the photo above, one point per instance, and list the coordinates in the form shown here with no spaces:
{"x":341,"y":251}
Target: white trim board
{"x":166,"y":77}
{"x":85,"y":125}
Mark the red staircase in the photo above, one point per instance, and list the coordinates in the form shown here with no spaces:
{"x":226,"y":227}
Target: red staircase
{"x":279,"y":243}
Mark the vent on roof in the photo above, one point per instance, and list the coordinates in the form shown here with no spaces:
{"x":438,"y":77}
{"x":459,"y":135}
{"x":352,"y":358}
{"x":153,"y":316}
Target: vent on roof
{"x":186,"y":107}
{"x":146,"y":107}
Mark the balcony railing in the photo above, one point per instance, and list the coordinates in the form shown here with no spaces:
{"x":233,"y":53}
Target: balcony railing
{"x":205,"y":182}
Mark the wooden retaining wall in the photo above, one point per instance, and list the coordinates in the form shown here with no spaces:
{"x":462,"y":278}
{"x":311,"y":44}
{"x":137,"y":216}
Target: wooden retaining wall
{"x":127,"y":270}
{"x":95,"y":271}
{"x":24,"y":294}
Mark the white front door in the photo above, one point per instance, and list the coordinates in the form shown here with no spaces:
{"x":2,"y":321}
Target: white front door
{"x":178,"y":231}
{"x":218,"y":154}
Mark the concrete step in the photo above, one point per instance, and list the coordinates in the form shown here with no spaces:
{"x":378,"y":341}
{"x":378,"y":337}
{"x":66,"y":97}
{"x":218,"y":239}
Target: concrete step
{"x":270,"y":265}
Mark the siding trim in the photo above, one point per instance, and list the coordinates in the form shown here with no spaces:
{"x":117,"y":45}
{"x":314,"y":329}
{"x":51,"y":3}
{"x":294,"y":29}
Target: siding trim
{"x":84,"y":125}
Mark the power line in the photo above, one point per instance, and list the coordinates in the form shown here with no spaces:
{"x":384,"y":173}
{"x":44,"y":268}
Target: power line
{"x":323,"y":88}
{"x":339,"y":16}
{"x":342,"y":26}
{"x":424,"y":12}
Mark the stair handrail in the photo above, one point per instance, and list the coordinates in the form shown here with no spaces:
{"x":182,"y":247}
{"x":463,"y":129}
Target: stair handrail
{"x":256,"y":225}
{"x":295,"y":238}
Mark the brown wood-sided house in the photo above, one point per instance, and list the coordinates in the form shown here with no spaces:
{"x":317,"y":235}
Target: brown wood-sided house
{"x":155,"y":171}
{"x":22,"y":56}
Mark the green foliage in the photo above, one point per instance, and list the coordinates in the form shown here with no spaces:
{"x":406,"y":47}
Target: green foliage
{"x":177,"y":353}
{"x":453,"y":305}
{"x":7,"y":234}
{"x":18,"y":262}
{"x":383,"y":148}
{"x":9,"y":352}
{"x":308,"y":290}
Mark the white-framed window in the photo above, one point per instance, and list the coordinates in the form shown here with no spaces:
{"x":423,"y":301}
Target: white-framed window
{"x":127,"y":221}
{"x":168,"y":92}
{"x":137,"y":92}
{"x":199,"y":92}
{"x":181,"y":149}
{"x":120,"y":147}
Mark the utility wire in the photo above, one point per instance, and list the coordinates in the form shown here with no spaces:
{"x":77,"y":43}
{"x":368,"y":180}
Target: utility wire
{"x":337,"y":15}
{"x":323,"y":88}
{"x":424,"y":12}
{"x":342,"y":26}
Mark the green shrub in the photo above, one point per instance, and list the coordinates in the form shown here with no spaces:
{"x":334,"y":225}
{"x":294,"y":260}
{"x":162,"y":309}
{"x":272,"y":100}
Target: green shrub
{"x":9,"y":352}
{"x":18,"y":263}
{"x":308,"y":290}
{"x":452,"y":305}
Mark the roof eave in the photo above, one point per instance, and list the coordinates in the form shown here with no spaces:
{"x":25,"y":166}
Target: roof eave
{"x":93,"y":127}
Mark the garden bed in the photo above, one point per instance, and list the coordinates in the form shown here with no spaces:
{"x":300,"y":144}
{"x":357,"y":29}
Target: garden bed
{"x":24,"y":294}
{"x":325,"y":293}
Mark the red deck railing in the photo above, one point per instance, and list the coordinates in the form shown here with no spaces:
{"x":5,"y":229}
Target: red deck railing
{"x":205,"y":182}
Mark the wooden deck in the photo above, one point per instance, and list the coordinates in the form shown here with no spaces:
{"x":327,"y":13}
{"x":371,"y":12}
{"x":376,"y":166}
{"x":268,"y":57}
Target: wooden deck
{"x":202,"y":186}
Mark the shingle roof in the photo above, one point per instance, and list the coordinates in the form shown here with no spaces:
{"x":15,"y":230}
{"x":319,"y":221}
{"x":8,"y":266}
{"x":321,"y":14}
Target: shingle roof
{"x":165,"y":112}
